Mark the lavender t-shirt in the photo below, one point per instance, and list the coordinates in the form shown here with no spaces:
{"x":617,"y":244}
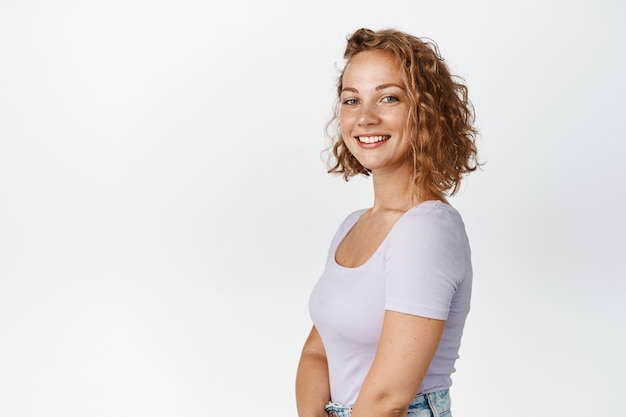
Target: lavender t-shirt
{"x":422,"y":267}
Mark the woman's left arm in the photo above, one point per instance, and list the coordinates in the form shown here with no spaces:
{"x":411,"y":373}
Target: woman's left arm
{"x":406,"y":348}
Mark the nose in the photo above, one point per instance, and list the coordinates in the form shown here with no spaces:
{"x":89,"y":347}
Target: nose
{"x":368,"y":115}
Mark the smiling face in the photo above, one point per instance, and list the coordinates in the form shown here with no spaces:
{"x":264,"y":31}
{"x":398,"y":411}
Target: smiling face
{"x":374,"y":111}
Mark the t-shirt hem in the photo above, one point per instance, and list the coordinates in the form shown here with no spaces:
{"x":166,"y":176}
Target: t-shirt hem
{"x":406,"y":308}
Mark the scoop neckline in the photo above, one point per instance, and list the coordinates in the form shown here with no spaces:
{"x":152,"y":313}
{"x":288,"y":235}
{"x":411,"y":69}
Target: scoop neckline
{"x":433,"y":203}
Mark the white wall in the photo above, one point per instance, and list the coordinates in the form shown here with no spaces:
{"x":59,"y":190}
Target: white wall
{"x":164,"y":211}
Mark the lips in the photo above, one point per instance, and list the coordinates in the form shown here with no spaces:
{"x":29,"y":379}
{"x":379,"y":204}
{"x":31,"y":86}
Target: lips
{"x":372,"y":139}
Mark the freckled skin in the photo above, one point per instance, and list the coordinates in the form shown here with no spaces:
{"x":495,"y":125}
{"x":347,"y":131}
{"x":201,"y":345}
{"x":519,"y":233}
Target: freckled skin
{"x":374,"y":103}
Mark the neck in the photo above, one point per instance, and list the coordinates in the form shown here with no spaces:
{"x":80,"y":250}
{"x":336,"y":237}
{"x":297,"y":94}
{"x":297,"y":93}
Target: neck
{"x":393,"y":191}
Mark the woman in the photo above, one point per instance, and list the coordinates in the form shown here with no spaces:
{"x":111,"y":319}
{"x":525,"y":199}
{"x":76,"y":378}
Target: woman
{"x":390,"y":307}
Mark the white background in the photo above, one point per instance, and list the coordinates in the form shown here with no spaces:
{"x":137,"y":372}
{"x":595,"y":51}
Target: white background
{"x":164,"y":210}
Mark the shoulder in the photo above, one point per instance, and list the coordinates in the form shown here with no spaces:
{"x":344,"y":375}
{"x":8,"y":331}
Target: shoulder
{"x":351,"y":220}
{"x":345,"y":227}
{"x":431,"y":230}
{"x":430,"y":216}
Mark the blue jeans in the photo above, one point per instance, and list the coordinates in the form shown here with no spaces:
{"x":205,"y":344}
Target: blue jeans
{"x":434,"y":404}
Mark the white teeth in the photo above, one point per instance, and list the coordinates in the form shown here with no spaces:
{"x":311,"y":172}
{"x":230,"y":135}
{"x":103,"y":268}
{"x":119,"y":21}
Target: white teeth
{"x":372,"y":139}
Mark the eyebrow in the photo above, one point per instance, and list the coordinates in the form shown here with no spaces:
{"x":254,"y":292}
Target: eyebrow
{"x":378,"y":87}
{"x":383,"y":86}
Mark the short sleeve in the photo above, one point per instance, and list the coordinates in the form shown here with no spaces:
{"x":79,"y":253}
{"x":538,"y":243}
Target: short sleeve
{"x":426,"y":260}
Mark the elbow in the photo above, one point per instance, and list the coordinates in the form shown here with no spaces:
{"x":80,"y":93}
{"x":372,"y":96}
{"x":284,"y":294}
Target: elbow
{"x":386,"y":403}
{"x":396,"y":406}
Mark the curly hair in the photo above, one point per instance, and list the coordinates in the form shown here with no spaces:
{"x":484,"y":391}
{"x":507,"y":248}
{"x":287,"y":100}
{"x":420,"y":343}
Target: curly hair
{"x":441,"y":117}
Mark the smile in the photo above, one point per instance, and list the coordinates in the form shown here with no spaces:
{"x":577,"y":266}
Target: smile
{"x":372,"y":139}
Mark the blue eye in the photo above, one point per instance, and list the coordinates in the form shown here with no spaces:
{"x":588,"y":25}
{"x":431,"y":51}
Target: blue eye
{"x":389,"y":99}
{"x":350,"y":101}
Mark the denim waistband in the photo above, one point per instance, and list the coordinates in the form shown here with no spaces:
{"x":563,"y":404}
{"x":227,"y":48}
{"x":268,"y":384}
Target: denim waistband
{"x":432,"y":404}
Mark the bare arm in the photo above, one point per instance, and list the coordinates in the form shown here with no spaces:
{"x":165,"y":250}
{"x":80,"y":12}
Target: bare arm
{"x":406,"y":348}
{"x":312,"y":386}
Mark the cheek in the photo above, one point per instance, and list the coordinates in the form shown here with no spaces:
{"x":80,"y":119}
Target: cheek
{"x":345,"y":128}
{"x":344,"y":125}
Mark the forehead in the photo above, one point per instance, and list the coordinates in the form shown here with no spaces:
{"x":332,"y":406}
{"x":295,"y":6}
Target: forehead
{"x":373,"y":67}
